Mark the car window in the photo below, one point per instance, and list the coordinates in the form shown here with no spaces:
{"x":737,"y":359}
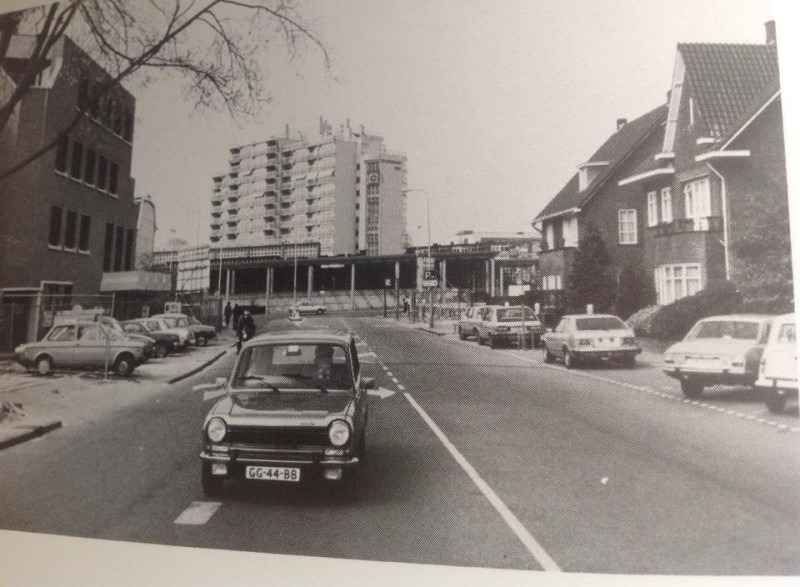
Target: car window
{"x":354,"y":355}
{"x":170,"y":322}
{"x":88,"y":333}
{"x":786,"y":334}
{"x":562,"y":326}
{"x":295,"y":367}
{"x":62,"y":334}
{"x":734,"y":329}
{"x":132,"y":327}
{"x":599,"y":323}
{"x":182,"y":322}
{"x":515,"y":314}
{"x":153,"y":325}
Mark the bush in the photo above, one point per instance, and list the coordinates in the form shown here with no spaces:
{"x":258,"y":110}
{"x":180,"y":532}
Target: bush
{"x":641,"y":322}
{"x":673,"y":321}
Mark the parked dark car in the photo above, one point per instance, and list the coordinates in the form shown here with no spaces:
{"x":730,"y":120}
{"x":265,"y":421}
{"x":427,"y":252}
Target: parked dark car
{"x":165,"y":342}
{"x":295,"y":410}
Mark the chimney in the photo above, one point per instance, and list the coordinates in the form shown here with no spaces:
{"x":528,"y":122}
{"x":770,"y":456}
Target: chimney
{"x":769,"y":27}
{"x":669,"y":96}
{"x":621,"y":122}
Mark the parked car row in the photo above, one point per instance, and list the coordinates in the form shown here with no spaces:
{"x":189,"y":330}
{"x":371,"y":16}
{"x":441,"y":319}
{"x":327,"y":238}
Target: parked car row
{"x":92,"y":340}
{"x":496,"y":325}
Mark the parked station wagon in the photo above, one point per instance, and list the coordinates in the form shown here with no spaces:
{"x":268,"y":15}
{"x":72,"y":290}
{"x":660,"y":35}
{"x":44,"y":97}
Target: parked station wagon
{"x":295,"y":410}
{"x":307,"y":307}
{"x":777,"y":374}
{"x":720,"y":350}
{"x":81,"y":345}
{"x":504,"y":325}
{"x":586,"y":337}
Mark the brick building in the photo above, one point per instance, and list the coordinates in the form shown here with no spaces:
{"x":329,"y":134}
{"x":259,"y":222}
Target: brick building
{"x":69,"y":215}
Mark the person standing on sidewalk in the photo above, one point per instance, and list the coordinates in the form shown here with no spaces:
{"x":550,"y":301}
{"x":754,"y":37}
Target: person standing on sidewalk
{"x":227,"y":313}
{"x":237,"y":312}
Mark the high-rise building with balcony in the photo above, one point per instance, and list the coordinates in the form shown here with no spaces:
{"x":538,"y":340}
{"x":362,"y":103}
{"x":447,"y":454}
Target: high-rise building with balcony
{"x":341,"y":190}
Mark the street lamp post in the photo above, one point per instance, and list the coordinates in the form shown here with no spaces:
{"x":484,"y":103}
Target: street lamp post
{"x":428,"y":213}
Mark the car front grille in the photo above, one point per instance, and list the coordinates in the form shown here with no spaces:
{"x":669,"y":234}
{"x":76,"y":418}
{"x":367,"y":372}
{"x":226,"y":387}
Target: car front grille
{"x":281,"y":438}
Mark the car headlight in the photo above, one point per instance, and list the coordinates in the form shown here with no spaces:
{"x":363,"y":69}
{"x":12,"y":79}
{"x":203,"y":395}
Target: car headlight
{"x":339,"y":432}
{"x":584,"y":342}
{"x":216,"y":429}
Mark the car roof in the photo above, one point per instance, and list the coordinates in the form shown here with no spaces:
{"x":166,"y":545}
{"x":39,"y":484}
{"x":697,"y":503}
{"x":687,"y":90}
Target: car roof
{"x":591,"y":316}
{"x":169,"y":315}
{"x":754,"y":317}
{"x":303,"y":335}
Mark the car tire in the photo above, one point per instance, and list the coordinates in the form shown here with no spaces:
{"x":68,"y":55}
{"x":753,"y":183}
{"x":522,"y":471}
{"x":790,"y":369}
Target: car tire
{"x":492,"y":342}
{"x":548,"y":356}
{"x":44,"y":365}
{"x":162,"y":350}
{"x":212,"y":484}
{"x":691,"y":389}
{"x":201,"y":340}
{"x":320,"y":312}
{"x":629,"y":362}
{"x":124,"y":365}
{"x":461,"y":334}
{"x":775,"y":403}
{"x":477,"y":336}
{"x":537,"y":341}
{"x":570,"y":361}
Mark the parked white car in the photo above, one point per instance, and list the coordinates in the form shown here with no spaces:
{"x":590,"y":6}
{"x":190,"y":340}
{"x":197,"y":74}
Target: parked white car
{"x":161,"y":325}
{"x":719,"y":350}
{"x":591,"y":337}
{"x":777,"y":373}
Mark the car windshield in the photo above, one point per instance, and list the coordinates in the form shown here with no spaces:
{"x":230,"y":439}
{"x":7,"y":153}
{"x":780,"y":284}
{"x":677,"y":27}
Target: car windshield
{"x":194,"y":321}
{"x":515,"y":314}
{"x":732,"y":329}
{"x":319,"y":367}
{"x":600,"y":323}
{"x":176,"y":322}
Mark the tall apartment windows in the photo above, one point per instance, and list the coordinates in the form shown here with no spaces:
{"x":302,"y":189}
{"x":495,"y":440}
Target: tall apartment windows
{"x":112,"y":178}
{"x":118,"y":244}
{"x":570,"y":231}
{"x":108,"y":247}
{"x":697,"y":201}
{"x":61,"y":153}
{"x":54,"y":237}
{"x":549,"y":236}
{"x":77,"y":158}
{"x":674,"y":282}
{"x":129,"y":249}
{"x":628,"y":230}
{"x":373,"y":189}
{"x":652,"y":208}
{"x":666,"y":205}
{"x":102,"y":173}
{"x":71,"y":230}
{"x":83,"y":237}
{"x":89,"y":171}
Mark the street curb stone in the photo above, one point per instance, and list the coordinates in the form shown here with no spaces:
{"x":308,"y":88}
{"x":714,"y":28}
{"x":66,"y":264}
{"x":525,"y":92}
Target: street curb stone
{"x":29,"y":433}
{"x":197,"y":369}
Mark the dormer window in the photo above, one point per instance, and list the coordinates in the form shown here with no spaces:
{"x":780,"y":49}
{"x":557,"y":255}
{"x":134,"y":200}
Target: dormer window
{"x":588,"y":172}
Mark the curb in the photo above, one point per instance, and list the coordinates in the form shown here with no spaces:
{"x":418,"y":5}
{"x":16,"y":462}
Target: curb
{"x":29,"y":433}
{"x":197,"y":369}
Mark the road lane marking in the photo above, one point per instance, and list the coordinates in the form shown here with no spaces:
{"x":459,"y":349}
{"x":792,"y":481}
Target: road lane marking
{"x":198,"y":513}
{"x":530,"y":543}
{"x":389,"y":373}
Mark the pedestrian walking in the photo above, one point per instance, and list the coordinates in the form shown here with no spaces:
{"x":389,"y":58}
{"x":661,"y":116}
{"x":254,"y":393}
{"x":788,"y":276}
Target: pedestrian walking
{"x":236,"y":314}
{"x":227,"y":313}
{"x":406,"y":306}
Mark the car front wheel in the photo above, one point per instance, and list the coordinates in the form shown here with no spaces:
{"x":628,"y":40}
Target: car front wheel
{"x":44,"y":365}
{"x":775,"y":403}
{"x":570,"y":361}
{"x":629,"y":361}
{"x":492,"y":342}
{"x":461,"y":334}
{"x":548,"y":356}
{"x":201,"y":340}
{"x":124,"y":366}
{"x":162,"y":350}
{"x":212,"y":484}
{"x":691,"y":388}
{"x":320,"y":312}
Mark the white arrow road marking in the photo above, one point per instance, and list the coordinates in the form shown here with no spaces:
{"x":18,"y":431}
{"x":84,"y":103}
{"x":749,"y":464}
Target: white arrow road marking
{"x":539,"y":553}
{"x":381,"y":392}
{"x":367,"y":354}
{"x":198,"y":513}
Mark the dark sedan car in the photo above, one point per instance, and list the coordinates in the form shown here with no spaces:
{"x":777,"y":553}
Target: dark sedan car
{"x":295,"y":410}
{"x":165,"y":342}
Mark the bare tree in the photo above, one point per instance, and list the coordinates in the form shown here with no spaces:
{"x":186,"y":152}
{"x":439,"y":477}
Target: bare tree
{"x":216,"y":46}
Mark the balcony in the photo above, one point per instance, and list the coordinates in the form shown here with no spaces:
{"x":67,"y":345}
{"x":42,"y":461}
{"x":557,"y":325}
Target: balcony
{"x":686,"y":225}
{"x":558,"y":243}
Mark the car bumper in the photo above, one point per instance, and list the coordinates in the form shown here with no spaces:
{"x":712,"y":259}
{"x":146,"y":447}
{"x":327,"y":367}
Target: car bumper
{"x":310,"y":465}
{"x":787,"y":387}
{"x":606,"y":354}
{"x":709,"y":377}
{"x":22,"y":360}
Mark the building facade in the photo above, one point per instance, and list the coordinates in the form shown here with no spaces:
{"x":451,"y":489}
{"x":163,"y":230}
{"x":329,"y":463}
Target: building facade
{"x":145,"y":231}
{"x":69,"y":215}
{"x":342,"y":190}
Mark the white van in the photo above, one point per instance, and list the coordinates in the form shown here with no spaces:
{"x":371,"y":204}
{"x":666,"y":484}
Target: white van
{"x":777,"y":373}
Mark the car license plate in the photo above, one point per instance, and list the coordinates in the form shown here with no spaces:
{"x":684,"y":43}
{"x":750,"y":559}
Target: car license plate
{"x":272,"y":473}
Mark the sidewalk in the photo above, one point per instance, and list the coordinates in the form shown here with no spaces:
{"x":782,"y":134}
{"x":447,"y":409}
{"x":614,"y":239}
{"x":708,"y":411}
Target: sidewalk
{"x":440,"y":327}
{"x":31,"y":406}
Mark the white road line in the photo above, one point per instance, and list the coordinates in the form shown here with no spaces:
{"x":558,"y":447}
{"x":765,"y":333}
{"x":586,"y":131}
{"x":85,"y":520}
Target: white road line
{"x":389,"y":373}
{"x":539,"y":554}
{"x":367,"y":354}
{"x":198,"y":513}
{"x":385,"y":368}
{"x":401,"y":387}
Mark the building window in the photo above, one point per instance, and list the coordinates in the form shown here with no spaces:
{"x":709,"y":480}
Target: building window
{"x":108,"y":247}
{"x":83,"y":237}
{"x":118,"y":248}
{"x":674,"y":282}
{"x":551,"y":283}
{"x":549,"y":236}
{"x":372,"y":189}
{"x":627,"y":227}
{"x":54,"y":238}
{"x":666,"y":205}
{"x":88,"y":172}
{"x":128,"y":130}
{"x":697,"y":202}
{"x":71,"y":230}
{"x":569,"y":232}
{"x":129,"y":249}
{"x":102,"y":173}
{"x":112,"y":178}
{"x":77,"y":160}
{"x":652,"y":208}
{"x":61,"y":153}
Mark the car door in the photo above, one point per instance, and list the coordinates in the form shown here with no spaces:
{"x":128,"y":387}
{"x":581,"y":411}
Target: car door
{"x":559,"y":337}
{"x":61,"y":345}
{"x":484,"y":318}
{"x":361,"y":394}
{"x":781,"y":355}
{"x":90,"y":349}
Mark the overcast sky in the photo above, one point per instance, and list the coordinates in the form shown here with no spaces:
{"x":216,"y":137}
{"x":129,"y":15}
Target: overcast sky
{"x":495,"y":102}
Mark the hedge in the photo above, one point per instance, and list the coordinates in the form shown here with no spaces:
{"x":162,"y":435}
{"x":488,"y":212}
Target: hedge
{"x":673,"y":321}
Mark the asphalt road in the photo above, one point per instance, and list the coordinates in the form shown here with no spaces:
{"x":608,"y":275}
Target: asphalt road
{"x":480,"y":458}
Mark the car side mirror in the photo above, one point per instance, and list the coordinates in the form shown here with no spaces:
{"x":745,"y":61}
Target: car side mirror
{"x":368,"y":382}
{"x":220,"y":381}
